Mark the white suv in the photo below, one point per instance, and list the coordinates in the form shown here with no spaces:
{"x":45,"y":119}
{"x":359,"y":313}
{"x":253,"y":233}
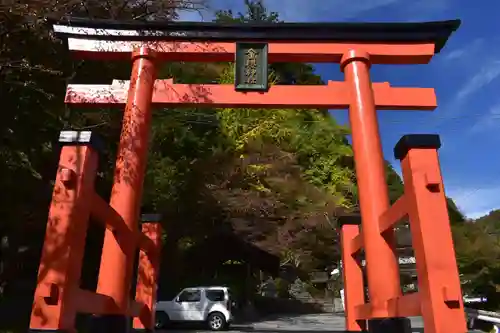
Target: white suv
{"x":199,"y":304}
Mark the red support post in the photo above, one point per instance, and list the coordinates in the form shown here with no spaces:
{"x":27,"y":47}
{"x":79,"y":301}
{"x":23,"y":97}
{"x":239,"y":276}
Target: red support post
{"x":147,"y":274}
{"x":54,"y":307}
{"x":106,"y":215}
{"x":381,"y":260}
{"x":115,"y":274}
{"x":438,"y":277}
{"x":354,"y":295}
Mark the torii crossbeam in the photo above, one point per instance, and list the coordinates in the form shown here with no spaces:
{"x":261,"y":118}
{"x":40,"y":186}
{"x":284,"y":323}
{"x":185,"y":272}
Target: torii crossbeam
{"x":356,"y":46}
{"x":333,"y":95}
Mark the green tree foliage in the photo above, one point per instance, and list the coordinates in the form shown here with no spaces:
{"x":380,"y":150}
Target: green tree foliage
{"x":477,"y":244}
{"x":491,"y":222}
{"x":307,"y":141}
{"x":282,"y":159}
{"x":273,"y":177}
{"x":456,"y":216}
{"x":34,"y":70}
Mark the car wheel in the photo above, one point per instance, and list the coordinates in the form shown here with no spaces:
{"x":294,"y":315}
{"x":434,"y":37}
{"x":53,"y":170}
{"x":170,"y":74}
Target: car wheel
{"x":216,"y":321}
{"x":161,"y":320}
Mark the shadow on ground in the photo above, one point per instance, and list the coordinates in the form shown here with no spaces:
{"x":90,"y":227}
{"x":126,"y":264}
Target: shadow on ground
{"x":415,"y":330}
{"x":274,"y":330}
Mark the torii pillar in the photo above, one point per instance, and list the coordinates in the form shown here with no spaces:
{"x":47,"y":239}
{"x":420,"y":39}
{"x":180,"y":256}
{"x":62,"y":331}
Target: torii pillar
{"x":116,"y":270}
{"x":372,"y":185}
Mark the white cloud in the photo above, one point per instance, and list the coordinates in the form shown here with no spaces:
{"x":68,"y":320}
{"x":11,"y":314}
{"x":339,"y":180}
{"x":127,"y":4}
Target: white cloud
{"x":487,"y":74}
{"x":455,"y":54}
{"x":464,"y":53}
{"x":491,"y":120}
{"x":476,"y":215}
{"x":475,"y":201}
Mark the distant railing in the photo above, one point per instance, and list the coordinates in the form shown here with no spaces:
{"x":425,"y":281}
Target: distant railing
{"x":483,"y":315}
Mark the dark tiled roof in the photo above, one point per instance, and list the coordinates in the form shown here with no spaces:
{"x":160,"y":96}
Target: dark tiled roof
{"x":436,"y":32}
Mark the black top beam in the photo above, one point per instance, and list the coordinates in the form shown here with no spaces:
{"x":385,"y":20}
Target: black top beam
{"x":350,"y":219}
{"x":81,"y":138}
{"x":426,"y":32}
{"x":415,"y":141}
{"x":148,"y":218}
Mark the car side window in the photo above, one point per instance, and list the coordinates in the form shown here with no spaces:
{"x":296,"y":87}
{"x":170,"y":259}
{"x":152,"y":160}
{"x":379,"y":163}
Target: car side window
{"x":190,"y":296}
{"x":215,"y":295}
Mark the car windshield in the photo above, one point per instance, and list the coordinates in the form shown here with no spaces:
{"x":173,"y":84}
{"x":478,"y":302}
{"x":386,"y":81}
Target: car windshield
{"x":189,"y":295}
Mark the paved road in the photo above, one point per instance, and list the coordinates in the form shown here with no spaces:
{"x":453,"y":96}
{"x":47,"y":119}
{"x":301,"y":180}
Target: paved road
{"x":324,"y":322}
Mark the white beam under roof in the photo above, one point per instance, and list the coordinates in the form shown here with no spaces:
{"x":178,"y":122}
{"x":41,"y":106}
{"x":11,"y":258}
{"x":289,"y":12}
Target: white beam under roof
{"x":85,"y":31}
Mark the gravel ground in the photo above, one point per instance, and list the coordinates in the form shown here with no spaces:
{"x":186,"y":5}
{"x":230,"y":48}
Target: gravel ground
{"x":324,"y":322}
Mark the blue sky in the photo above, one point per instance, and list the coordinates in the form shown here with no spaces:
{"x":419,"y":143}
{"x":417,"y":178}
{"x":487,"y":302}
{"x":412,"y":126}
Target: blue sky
{"x":465,"y":75}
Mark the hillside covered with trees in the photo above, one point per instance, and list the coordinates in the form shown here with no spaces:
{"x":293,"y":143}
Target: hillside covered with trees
{"x":477,"y":244}
{"x":273,"y":178}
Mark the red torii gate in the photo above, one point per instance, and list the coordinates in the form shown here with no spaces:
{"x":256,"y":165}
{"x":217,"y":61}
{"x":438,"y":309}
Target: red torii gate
{"x":355,"y":46}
